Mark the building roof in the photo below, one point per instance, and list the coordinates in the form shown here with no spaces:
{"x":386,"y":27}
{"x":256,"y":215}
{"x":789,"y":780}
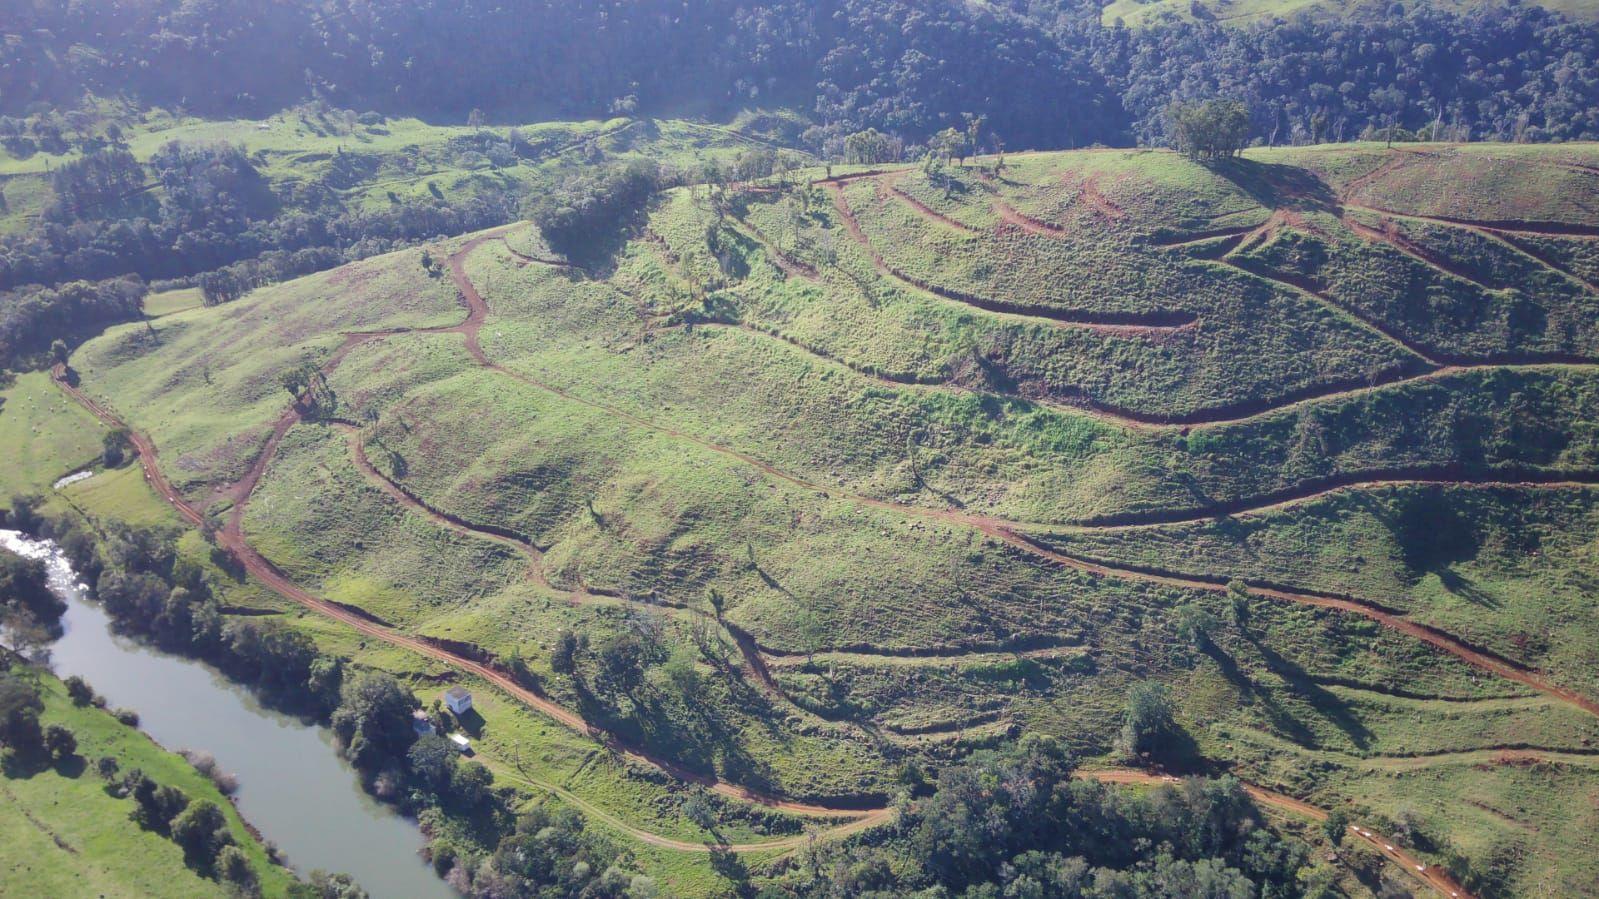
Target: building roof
{"x":458,"y":692}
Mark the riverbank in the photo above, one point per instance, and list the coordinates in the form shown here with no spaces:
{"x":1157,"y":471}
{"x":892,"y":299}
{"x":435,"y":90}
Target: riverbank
{"x":293,"y":786}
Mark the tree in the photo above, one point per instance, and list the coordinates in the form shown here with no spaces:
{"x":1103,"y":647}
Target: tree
{"x":60,"y":742}
{"x":974,"y":131}
{"x":79,"y":691}
{"x":220,"y":286}
{"x":202,"y":830}
{"x":59,"y":352}
{"x":470,"y":785}
{"x":1336,"y":825}
{"x":20,"y":706}
{"x":1147,"y":720}
{"x":563,"y":658}
{"x":1195,"y":625}
{"x":1210,"y":130}
{"x":948,"y":145}
{"x":233,"y":866}
{"x":701,"y":812}
{"x":621,"y":663}
{"x":432,"y":759}
{"x":682,"y":675}
{"x":114,"y":447}
{"x":373,"y":719}
{"x":870,"y":147}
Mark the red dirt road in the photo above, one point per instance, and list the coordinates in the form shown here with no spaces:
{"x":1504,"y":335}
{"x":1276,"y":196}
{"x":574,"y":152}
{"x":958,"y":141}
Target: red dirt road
{"x":1431,"y":875}
{"x":232,"y":539}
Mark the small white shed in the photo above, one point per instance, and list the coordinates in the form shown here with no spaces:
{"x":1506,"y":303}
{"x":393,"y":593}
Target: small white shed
{"x":461,"y":743}
{"x":458,"y":699}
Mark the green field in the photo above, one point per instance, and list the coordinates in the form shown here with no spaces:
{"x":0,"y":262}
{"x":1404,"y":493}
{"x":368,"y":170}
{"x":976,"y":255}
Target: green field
{"x":63,"y":834}
{"x":899,"y":466}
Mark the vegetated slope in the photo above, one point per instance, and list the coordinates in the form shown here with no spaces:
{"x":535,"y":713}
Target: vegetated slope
{"x":905,"y":462}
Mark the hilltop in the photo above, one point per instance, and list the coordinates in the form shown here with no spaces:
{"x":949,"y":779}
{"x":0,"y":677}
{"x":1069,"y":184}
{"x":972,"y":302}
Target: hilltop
{"x":870,"y":468}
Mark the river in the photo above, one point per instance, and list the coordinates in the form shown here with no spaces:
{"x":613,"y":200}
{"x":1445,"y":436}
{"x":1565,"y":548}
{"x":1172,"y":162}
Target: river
{"x":292,"y":785}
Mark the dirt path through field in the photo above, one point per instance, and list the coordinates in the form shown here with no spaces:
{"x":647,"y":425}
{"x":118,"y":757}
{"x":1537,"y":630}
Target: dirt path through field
{"x":232,"y":539}
{"x":863,"y":809}
{"x":1131,"y":323}
{"x":1431,"y":875}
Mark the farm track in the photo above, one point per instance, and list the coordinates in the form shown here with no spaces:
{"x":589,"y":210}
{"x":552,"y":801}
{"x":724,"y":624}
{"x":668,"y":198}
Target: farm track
{"x":891,"y":184}
{"x":1438,"y":364}
{"x":1505,"y":237}
{"x":1007,"y":533}
{"x":232,"y":539}
{"x":1131,"y":323}
{"x":1433,"y":876}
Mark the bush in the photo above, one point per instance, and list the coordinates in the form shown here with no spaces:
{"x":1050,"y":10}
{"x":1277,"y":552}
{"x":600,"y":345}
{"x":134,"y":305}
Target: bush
{"x":60,"y":742}
{"x":202,"y":830}
{"x":79,"y":691}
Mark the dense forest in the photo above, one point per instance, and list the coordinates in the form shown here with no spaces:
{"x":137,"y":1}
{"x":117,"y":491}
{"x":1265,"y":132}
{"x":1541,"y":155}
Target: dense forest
{"x":908,"y":73}
{"x":1045,"y":72}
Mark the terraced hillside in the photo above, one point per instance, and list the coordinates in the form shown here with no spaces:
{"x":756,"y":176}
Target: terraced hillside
{"x":880,"y":467}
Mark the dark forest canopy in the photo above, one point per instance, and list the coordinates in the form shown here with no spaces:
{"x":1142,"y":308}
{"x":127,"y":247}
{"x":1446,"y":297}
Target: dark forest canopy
{"x":1046,"y":73}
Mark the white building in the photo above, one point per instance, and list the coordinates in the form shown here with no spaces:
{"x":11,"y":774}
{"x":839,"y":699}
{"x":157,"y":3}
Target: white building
{"x":458,"y":700}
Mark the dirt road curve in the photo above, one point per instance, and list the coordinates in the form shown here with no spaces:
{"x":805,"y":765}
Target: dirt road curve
{"x":1431,"y":875}
{"x":231,"y":538}
{"x":863,"y":812}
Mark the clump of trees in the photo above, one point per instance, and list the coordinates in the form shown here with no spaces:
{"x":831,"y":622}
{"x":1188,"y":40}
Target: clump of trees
{"x":1210,"y":130}
{"x":1015,"y":822}
{"x":30,"y":613}
{"x":588,"y":210}
{"x":32,"y":317}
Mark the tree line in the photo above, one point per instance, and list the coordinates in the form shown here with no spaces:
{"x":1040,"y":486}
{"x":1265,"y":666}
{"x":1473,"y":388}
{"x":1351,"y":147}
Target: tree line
{"x":153,"y":591}
{"x":1046,"y":73}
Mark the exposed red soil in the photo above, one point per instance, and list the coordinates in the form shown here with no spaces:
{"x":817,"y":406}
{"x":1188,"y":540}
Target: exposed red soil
{"x":233,"y":540}
{"x":1112,"y":322}
{"x":891,"y":183}
{"x":790,"y":266}
{"x":1431,"y":875}
{"x":1013,"y":216}
{"x":1477,"y":658}
{"x":1528,"y":226}
{"x":1390,"y":235}
{"x":1315,"y":488}
{"x":525,"y":258}
{"x":1090,"y":193}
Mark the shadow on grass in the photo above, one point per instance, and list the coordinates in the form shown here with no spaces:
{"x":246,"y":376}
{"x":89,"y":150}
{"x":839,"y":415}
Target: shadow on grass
{"x":1276,"y":186}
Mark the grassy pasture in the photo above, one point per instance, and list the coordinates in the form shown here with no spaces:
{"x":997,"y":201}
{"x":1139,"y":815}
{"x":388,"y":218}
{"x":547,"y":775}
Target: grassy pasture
{"x":637,"y":399}
{"x":64,"y":835}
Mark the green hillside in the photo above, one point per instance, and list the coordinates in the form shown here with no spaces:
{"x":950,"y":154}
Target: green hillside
{"x":880,"y":468}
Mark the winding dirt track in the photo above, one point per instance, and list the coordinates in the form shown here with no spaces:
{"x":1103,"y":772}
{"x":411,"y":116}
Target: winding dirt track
{"x":1109,"y":322}
{"x":862,"y":809}
{"x":891,"y":182}
{"x":1433,"y":365}
{"x":1431,"y":875}
{"x":231,"y":538}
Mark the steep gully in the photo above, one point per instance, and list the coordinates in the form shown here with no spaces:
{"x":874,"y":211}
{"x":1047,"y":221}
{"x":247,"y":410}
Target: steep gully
{"x":232,"y":539}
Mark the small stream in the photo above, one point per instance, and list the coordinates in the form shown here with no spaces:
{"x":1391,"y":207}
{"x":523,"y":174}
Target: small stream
{"x":292,"y":785}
